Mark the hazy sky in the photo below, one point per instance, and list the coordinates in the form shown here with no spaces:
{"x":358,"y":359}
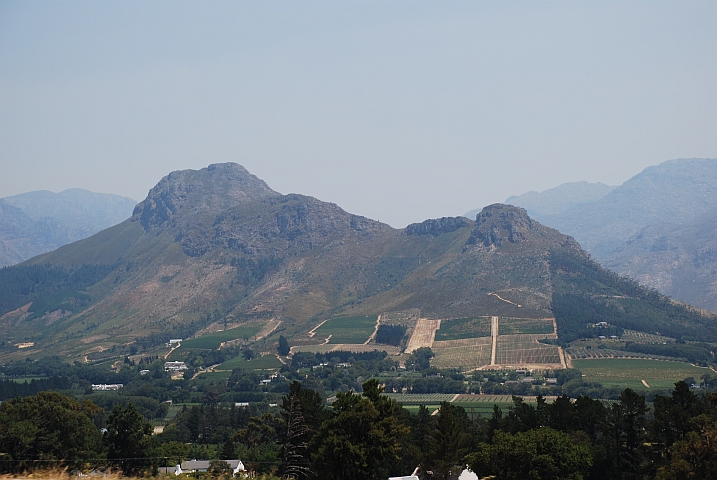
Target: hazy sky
{"x":399,"y":110}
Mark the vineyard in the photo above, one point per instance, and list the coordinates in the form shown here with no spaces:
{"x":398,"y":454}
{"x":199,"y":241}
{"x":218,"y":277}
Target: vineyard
{"x":525,"y":326}
{"x":525,"y":350}
{"x":642,"y":337}
{"x":464,"y":328}
{"x":351,"y":330}
{"x":595,"y":353}
{"x":465,"y":353}
{"x":420,"y":398}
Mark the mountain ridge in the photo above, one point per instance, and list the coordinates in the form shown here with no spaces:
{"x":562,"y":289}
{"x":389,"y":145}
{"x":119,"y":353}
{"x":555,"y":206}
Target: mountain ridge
{"x":218,"y":246}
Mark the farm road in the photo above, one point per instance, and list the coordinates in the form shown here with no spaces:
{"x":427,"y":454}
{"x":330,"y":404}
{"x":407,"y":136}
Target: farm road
{"x":494,"y":334}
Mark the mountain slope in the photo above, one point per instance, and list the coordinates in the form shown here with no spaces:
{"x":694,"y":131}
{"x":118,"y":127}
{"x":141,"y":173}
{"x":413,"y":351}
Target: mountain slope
{"x":679,"y":260}
{"x":36,"y":222}
{"x":218,"y":246}
{"x":673,"y":191}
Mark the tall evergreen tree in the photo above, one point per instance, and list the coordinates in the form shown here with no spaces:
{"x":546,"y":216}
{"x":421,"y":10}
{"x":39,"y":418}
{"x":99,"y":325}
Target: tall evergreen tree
{"x":127,"y":437}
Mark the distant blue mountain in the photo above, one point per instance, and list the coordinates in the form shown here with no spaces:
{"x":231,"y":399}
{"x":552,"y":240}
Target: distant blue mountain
{"x":37,"y":222}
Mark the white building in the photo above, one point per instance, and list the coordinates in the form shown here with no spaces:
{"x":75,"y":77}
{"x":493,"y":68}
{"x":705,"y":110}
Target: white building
{"x":174,"y":366}
{"x":105,"y":386}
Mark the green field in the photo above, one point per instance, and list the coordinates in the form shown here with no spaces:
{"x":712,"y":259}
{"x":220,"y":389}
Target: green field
{"x":347,"y":329}
{"x":464,"y":328}
{"x":629,"y":373}
{"x":212,"y":341}
{"x":524,"y":326}
{"x":259,"y":363}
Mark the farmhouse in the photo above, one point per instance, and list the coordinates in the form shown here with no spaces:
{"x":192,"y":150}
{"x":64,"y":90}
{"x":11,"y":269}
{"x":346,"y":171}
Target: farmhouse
{"x":174,"y":366}
{"x":192,"y":466}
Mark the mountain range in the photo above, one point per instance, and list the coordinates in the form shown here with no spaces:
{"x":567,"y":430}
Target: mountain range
{"x":658,"y":227}
{"x":37,"y":222}
{"x":218,"y":246}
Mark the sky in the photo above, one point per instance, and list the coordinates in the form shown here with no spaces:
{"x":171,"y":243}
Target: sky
{"x":396,"y":110}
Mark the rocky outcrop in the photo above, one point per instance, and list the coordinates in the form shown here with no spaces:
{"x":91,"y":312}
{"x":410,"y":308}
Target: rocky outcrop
{"x":186,"y":193}
{"x":497,"y":224}
{"x":438,"y":226}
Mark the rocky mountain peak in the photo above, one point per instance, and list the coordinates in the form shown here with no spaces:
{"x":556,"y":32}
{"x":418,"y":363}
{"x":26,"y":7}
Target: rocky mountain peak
{"x":211,"y":189}
{"x":499,"y":224}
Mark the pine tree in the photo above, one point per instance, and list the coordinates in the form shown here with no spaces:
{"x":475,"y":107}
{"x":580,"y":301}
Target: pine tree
{"x":295,"y":462}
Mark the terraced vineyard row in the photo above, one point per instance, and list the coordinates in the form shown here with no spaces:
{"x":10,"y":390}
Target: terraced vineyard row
{"x":420,"y":398}
{"x":584,"y":353}
{"x":466,"y":356}
{"x":525,"y":350}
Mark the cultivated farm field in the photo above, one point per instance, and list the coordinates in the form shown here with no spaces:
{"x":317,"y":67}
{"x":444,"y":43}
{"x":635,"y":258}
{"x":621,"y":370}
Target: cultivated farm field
{"x":421,"y":398}
{"x":463,"y":328}
{"x":423,"y":335}
{"x":525,"y":350}
{"x":347,"y":347}
{"x":215,"y":339}
{"x":466,"y":353}
{"x":525,"y":326}
{"x":349,"y":330}
{"x":629,"y":373}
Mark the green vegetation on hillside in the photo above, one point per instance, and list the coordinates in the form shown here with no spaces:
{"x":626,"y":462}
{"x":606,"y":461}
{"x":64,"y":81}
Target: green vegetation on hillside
{"x":586,"y":294}
{"x":48,"y":287}
{"x":215,"y":339}
{"x":350,"y":330}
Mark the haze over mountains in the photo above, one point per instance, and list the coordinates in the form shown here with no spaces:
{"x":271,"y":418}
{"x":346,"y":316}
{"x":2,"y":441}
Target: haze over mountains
{"x":657,"y":227}
{"x":37,"y":222}
{"x":218,"y":246}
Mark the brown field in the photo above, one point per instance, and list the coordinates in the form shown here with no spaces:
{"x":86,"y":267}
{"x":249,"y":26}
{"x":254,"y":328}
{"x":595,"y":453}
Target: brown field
{"x":423,"y":335}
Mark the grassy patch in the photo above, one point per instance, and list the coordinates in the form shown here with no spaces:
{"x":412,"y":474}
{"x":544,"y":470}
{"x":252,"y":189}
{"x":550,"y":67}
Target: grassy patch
{"x":212,"y":341}
{"x":464,"y":328}
{"x":524,"y":326}
{"x":347,"y":329}
{"x":629,"y":373}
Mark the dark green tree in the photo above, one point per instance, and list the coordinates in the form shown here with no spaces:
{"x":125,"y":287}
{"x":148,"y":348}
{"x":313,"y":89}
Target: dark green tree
{"x":48,"y":426}
{"x":283,"y":348}
{"x":127,"y":439}
{"x":362,"y":439}
{"x":449,"y":440}
{"x":542,"y":453}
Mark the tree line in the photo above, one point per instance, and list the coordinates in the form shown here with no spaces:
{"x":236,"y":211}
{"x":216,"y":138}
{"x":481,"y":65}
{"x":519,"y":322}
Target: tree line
{"x":367,"y":435}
